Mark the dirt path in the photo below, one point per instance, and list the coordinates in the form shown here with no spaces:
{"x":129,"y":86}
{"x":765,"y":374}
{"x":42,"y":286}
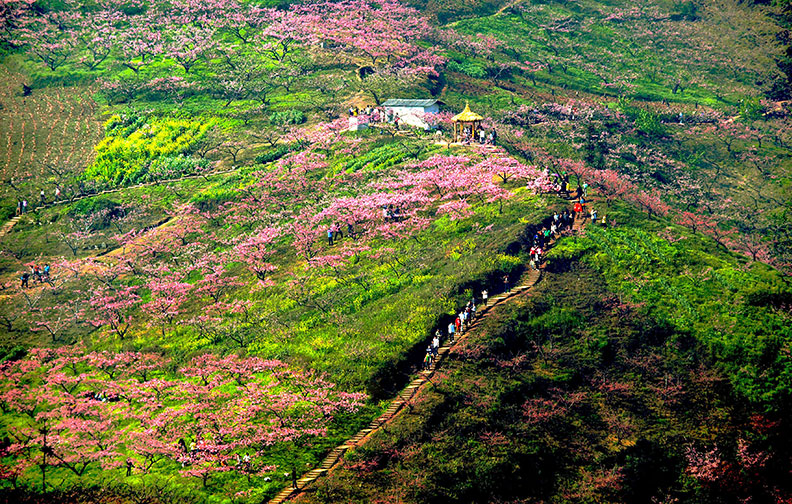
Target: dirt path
{"x":8,"y":226}
{"x":11,"y":223}
{"x":333,"y":459}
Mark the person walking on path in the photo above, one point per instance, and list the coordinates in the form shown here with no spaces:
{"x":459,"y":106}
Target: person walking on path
{"x":24,"y":206}
{"x":506,"y":287}
{"x":537,"y":256}
{"x":593,"y":216}
{"x":577,"y":210}
{"x":19,"y":208}
{"x":330,"y":236}
{"x":451,"y":332}
{"x":484,"y":297}
{"x":435,"y":345}
{"x":24,"y":277}
{"x":427,"y":362}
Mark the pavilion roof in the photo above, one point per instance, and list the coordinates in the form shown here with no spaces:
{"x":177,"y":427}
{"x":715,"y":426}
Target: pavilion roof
{"x":467,"y":116}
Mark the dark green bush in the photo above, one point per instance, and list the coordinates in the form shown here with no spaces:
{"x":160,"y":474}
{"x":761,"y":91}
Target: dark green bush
{"x":646,"y":121}
{"x":212,"y":198}
{"x":468,"y":68}
{"x":272,"y":155}
{"x":286,"y":117}
{"x":92,"y":205}
{"x":171,"y":167}
{"x":12,"y":354}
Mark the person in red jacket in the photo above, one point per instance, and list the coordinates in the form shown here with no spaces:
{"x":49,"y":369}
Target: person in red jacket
{"x":577,"y":210}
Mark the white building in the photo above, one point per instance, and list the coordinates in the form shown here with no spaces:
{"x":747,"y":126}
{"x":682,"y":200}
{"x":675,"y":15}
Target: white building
{"x":358,"y":123}
{"x":411,"y":112}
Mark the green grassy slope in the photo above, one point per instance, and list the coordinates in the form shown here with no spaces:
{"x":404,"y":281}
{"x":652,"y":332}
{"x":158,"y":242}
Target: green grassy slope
{"x":631,"y":373}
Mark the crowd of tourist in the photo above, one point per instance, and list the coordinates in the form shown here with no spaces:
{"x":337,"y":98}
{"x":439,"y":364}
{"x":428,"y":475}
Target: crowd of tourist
{"x":334,"y":232}
{"x":22,"y":206}
{"x":457,"y":326}
{"x":375,"y":114}
{"x":481,"y":137}
{"x":560,"y":222}
{"x":22,"y":203}
{"x":391,"y":213}
{"x":38,"y":273}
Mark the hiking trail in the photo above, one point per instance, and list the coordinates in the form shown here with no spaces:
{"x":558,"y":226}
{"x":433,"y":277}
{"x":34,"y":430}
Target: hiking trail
{"x":333,"y":459}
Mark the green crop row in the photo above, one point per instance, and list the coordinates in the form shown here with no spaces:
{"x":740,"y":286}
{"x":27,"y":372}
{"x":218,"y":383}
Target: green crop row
{"x":139,"y":149}
{"x":382,"y":157}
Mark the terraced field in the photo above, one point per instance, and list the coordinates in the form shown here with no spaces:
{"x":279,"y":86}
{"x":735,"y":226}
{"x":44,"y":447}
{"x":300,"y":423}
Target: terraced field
{"x":43,"y":136}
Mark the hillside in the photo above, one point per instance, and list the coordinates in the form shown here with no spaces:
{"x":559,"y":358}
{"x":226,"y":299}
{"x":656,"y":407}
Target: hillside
{"x":236,"y":282}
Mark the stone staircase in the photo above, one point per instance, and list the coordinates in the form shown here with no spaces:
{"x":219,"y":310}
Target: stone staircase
{"x":405,"y":396}
{"x":530,"y":278}
{"x":8,"y":226}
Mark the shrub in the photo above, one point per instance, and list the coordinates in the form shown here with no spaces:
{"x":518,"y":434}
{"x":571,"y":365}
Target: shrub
{"x":687,"y":10}
{"x":101,"y":210}
{"x":291,"y":116}
{"x":6,"y":213}
{"x":212,"y":198}
{"x":468,"y":68}
{"x":13,"y":354}
{"x":170,"y":167}
{"x":646,"y":121}
{"x":272,"y":155}
{"x":751,"y":109}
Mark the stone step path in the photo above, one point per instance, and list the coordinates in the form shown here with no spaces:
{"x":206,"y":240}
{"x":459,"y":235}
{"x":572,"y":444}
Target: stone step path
{"x":8,"y":225}
{"x":333,"y":458}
